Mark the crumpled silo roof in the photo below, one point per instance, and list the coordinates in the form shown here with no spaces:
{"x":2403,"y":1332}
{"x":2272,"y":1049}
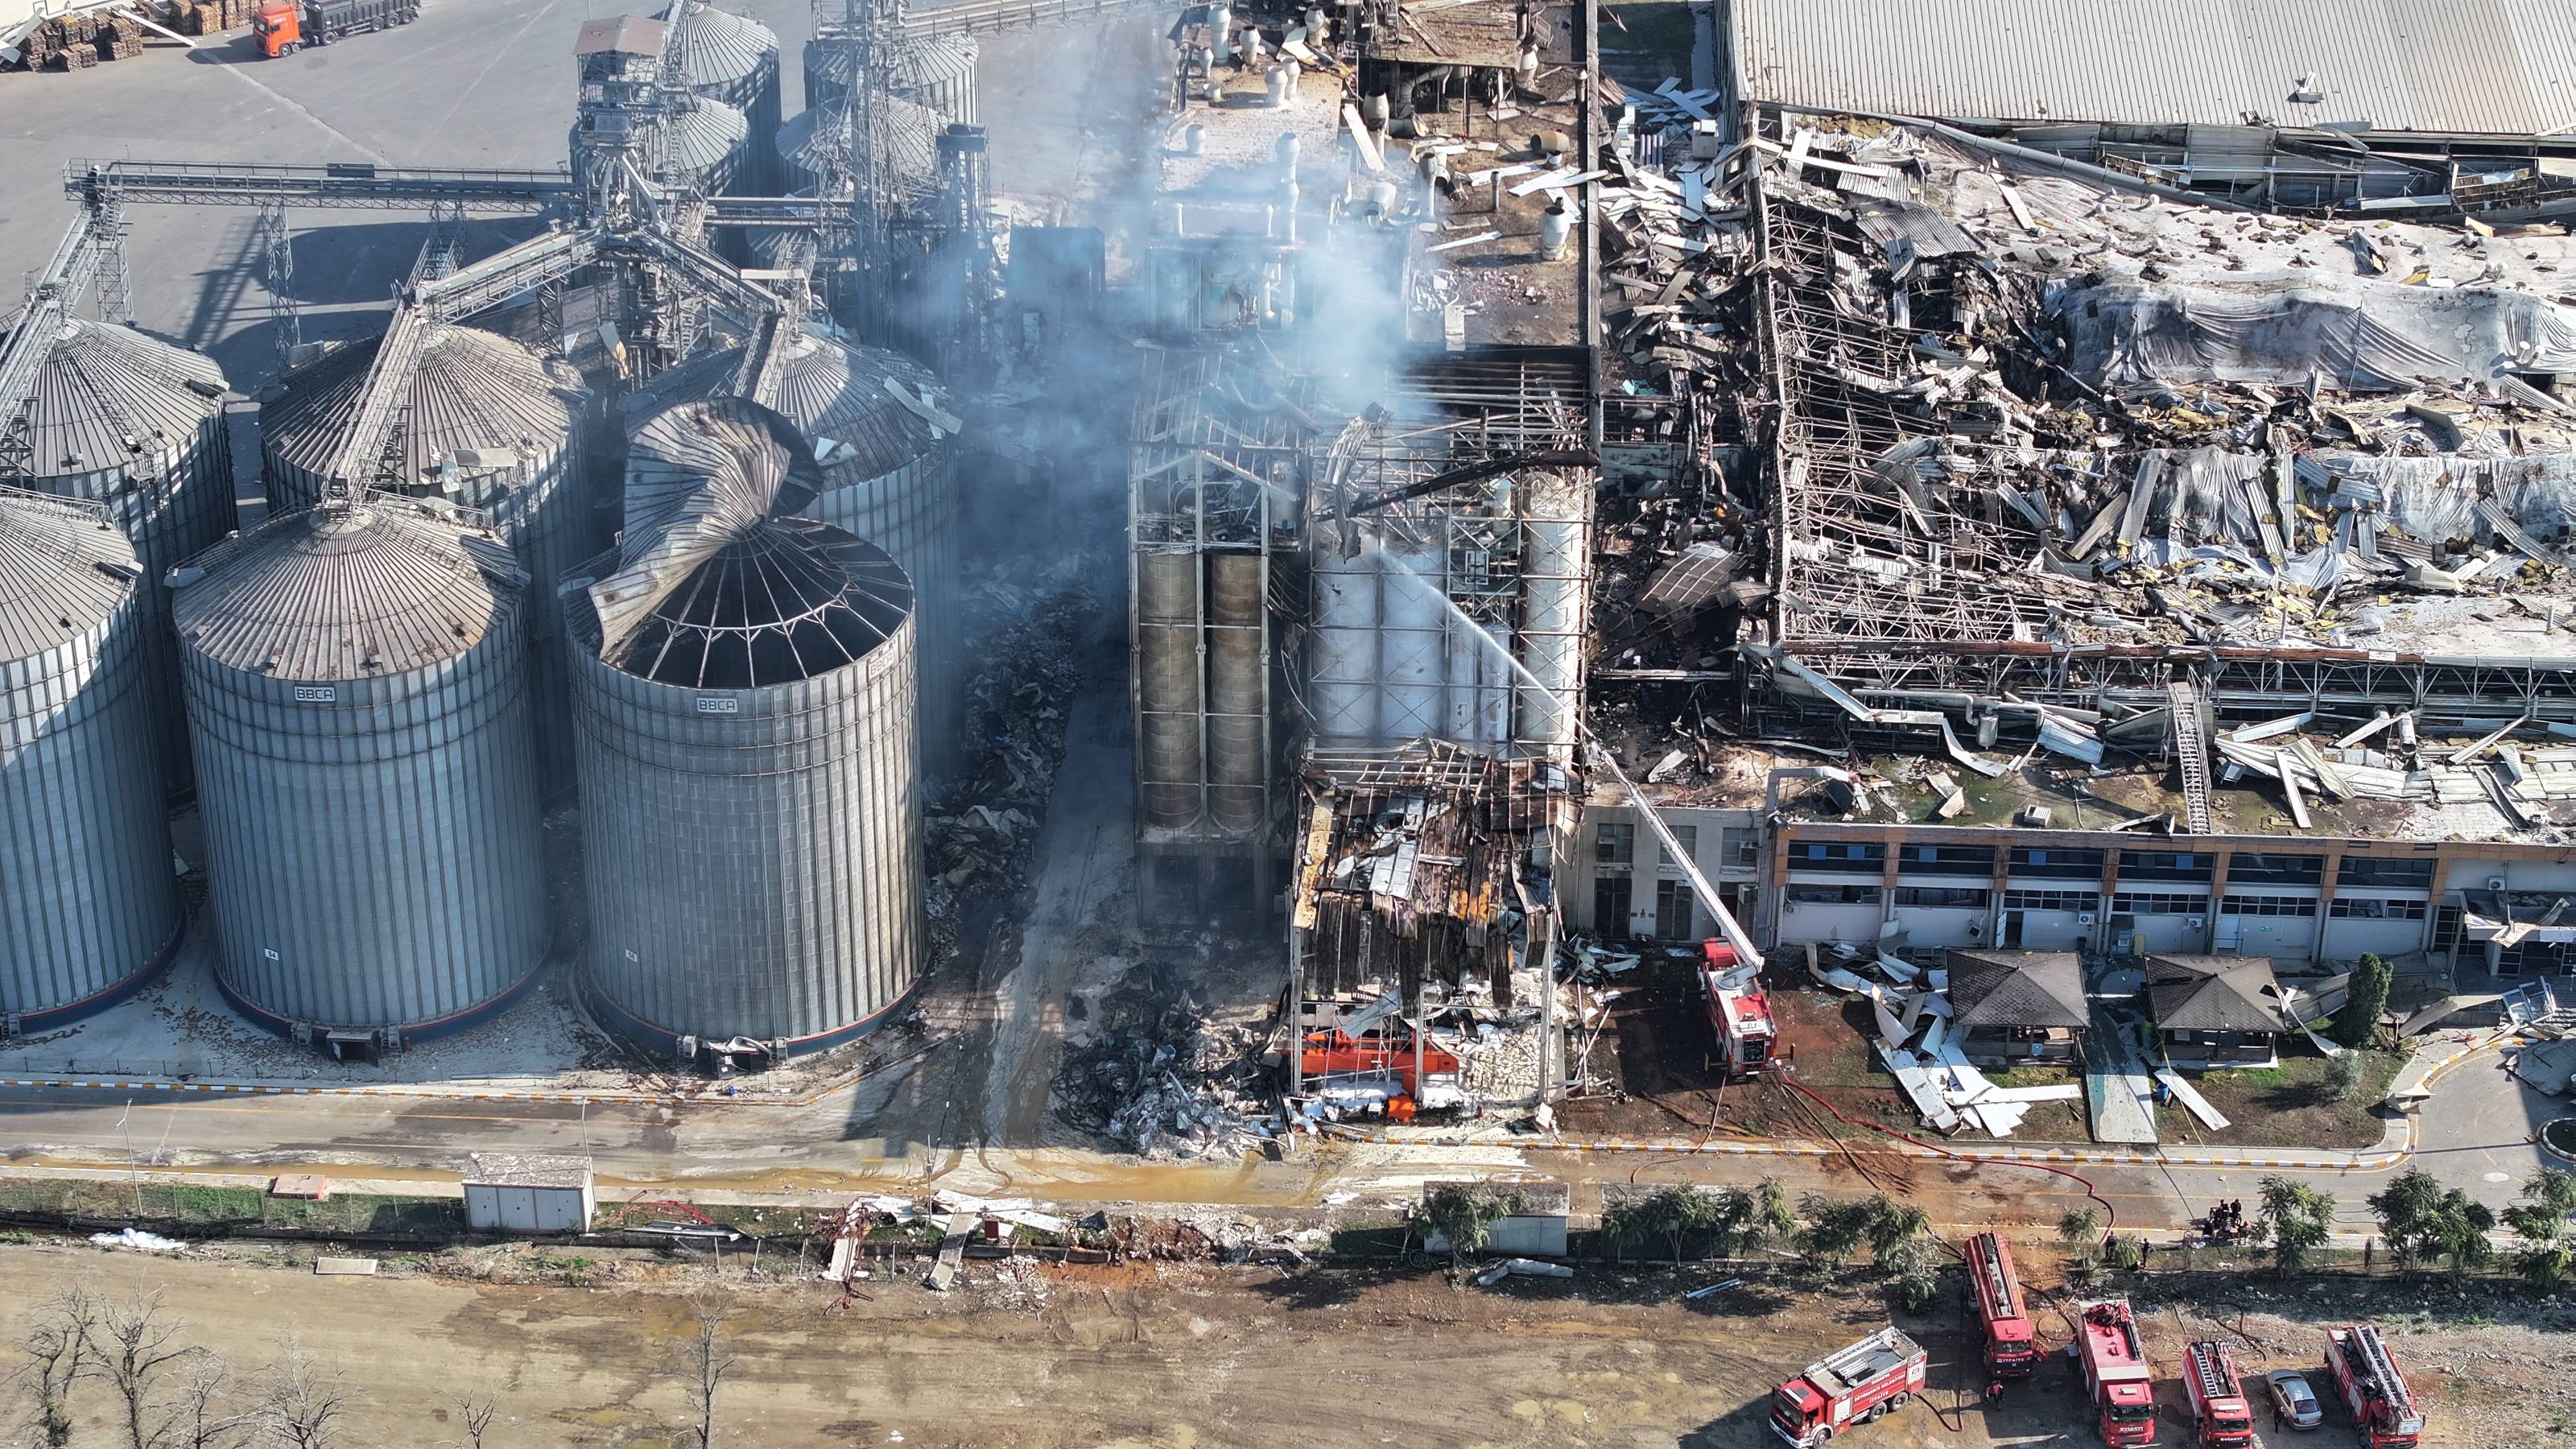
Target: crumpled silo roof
{"x":64,"y":568}
{"x":908,"y":138}
{"x":102,"y":380}
{"x":474,"y":391}
{"x":716,"y":585}
{"x":835,"y":392}
{"x":719,"y":48}
{"x":374,"y":588}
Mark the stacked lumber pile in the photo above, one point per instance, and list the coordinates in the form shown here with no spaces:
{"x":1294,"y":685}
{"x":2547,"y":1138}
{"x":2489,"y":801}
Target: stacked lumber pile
{"x":211,"y":17}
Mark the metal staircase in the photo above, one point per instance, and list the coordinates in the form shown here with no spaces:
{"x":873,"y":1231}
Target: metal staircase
{"x":2191,"y":754}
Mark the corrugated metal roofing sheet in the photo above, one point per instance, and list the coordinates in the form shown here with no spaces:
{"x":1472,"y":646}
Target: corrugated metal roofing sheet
{"x":2500,"y":67}
{"x":99,"y":381}
{"x":474,"y":390}
{"x":64,"y":568}
{"x":330,"y":594}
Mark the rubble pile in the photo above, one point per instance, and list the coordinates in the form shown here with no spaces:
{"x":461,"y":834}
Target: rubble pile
{"x":1162,"y":1080}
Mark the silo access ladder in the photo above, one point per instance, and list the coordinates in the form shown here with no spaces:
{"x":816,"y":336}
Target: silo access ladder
{"x":2191,"y":754}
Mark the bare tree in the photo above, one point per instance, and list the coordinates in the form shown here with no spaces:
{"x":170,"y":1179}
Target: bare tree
{"x":301,"y":1404}
{"x":474,"y":1414}
{"x":57,"y":1348}
{"x":134,"y":1343}
{"x":706,"y":1359}
{"x":197,"y":1418}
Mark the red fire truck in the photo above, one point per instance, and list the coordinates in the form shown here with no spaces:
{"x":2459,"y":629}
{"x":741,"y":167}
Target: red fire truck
{"x":2383,"y":1408}
{"x":2116,"y":1377}
{"x":1738,"y":1012}
{"x":1853,"y":1386}
{"x":2218,"y":1403}
{"x":2009,"y":1350}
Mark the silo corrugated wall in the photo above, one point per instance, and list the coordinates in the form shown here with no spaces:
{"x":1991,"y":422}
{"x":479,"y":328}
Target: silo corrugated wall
{"x":728,"y":58}
{"x":494,"y":428}
{"x":88,"y":905}
{"x":138,"y":424}
{"x":357,"y":686}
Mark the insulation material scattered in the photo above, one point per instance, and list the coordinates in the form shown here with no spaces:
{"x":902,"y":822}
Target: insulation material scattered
{"x":2189,"y":1095}
{"x":1918,"y":1087}
{"x":1521,"y":1268}
{"x":139,"y":1240}
{"x":2054,"y":1092}
{"x":1839,"y":979}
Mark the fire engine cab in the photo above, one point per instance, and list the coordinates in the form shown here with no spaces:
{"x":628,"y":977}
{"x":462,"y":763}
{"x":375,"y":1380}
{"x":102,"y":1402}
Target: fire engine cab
{"x":2218,"y":1404}
{"x":2009,"y":1350}
{"x":1738,"y":1013}
{"x":2116,"y":1377}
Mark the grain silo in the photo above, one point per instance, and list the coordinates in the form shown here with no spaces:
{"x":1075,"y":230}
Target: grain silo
{"x":494,"y":428}
{"x":137,"y":424}
{"x":88,"y":905}
{"x":937,"y":71}
{"x":888,"y":476}
{"x":358,"y":694}
{"x":706,"y":148}
{"x":743,"y":681}
{"x":812,"y":147}
{"x":727,"y":58}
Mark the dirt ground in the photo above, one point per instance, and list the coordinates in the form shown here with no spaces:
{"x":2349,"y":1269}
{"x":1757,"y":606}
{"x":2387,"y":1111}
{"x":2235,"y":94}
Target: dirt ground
{"x":1174,"y":1355}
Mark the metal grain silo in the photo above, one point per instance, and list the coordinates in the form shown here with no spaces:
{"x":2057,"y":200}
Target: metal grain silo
{"x":137,"y":424}
{"x":938,"y":72}
{"x":358,"y":693}
{"x":704,"y":148}
{"x":493,"y":427}
{"x":811,"y":147}
{"x":743,"y":680}
{"x":728,"y":58}
{"x":888,"y":476}
{"x":88,"y":905}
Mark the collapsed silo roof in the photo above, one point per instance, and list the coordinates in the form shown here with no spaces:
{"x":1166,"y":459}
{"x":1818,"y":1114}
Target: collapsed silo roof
{"x":720,"y":48}
{"x":64,"y":569}
{"x":344,"y":592}
{"x":106,"y":391}
{"x":477,"y":398}
{"x":836,"y":391}
{"x":716,"y":586}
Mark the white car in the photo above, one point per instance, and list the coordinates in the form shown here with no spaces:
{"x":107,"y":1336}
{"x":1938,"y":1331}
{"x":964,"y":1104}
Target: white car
{"x":2293,"y":1399}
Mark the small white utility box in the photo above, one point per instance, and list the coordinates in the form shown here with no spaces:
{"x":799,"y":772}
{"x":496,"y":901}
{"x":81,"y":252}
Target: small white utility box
{"x":515,"y":1192}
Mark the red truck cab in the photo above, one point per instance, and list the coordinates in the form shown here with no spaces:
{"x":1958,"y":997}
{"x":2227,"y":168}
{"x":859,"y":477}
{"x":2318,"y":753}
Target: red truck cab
{"x":2011,"y":1350}
{"x":279,"y":25}
{"x":2218,"y":1403}
{"x":2116,"y":1377}
{"x":2384,"y":1410}
{"x":1852,"y":1386}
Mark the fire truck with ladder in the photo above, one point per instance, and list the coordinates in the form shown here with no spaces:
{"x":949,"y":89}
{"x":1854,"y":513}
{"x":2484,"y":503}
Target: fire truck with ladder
{"x":2383,"y":1408}
{"x":2218,"y":1403}
{"x":1739,"y":1014}
{"x":1854,"y":1386}
{"x":2009,"y":1350}
{"x":2116,"y":1378}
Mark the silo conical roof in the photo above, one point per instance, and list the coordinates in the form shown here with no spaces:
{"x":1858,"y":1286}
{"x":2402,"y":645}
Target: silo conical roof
{"x":64,"y":569}
{"x":105,"y":392}
{"x":474,"y":391}
{"x":908,"y":137}
{"x":719,"y":48}
{"x":920,"y":66}
{"x":835,"y":392}
{"x":706,"y":135}
{"x":716,"y":585}
{"x":334,"y":593}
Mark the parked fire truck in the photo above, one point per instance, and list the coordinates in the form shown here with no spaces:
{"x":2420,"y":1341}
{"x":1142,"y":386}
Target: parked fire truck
{"x":1384,"y":1055}
{"x":2383,"y":1408}
{"x":2218,"y":1403}
{"x":1738,"y":1012}
{"x":2009,"y":1350}
{"x":2116,"y":1378}
{"x":1853,"y":1386}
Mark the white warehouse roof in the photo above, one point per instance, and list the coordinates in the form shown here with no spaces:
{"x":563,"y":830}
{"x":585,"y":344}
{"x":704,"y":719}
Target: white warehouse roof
{"x":2493,"y":67}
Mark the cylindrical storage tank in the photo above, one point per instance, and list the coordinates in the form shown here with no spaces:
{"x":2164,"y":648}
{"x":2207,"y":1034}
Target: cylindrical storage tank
{"x":493,"y":427}
{"x":810,"y":147}
{"x":1555,"y":588}
{"x":1341,"y":661}
{"x":728,"y":58}
{"x":358,"y":695}
{"x":1168,"y":688}
{"x":743,"y":682}
{"x":1237,"y":713}
{"x":137,"y":424}
{"x":1415,"y":645}
{"x":703,"y":148}
{"x":888,"y":476}
{"x":938,"y":72}
{"x":88,"y":905}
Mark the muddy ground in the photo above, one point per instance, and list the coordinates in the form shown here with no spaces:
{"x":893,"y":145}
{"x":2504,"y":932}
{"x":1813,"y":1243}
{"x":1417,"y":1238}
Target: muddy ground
{"x":1180,"y":1354}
